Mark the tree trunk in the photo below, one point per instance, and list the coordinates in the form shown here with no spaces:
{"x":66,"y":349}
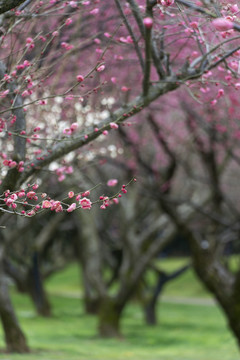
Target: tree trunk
{"x":91,"y":305}
{"x":150,"y":313}
{"x":228,"y":301}
{"x":30,"y":283}
{"x":226,"y":294}
{"x":150,"y":307}
{"x":14,"y":337}
{"x":91,"y":297}
{"x":88,"y":253}
{"x":223,"y":284}
{"x":109,"y":318}
{"x":36,"y":288}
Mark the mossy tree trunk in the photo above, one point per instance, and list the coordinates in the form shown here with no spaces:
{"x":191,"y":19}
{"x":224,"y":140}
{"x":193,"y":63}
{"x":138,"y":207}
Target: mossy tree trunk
{"x":110,"y":312}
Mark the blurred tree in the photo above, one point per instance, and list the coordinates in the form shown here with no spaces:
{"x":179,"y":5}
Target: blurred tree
{"x":70,"y":72}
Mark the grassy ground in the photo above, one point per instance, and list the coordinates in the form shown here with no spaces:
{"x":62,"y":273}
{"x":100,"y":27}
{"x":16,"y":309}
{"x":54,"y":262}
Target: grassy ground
{"x":185,"y":331}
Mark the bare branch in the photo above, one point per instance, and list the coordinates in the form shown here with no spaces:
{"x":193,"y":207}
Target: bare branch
{"x":147,"y":69}
{"x":128,"y":26}
{"x":139,"y":21}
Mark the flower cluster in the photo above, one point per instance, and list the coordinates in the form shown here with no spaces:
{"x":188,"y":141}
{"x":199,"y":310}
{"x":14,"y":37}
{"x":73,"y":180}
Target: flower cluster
{"x":105,"y":202}
{"x":13,"y":164}
{"x":62,"y":171}
{"x":71,"y":129}
{"x":21,"y":199}
{"x":52,"y":205}
{"x":84,"y":203}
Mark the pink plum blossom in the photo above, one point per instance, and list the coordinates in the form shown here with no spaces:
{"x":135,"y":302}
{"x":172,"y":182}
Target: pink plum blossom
{"x":94,"y":11}
{"x":124,"y":88}
{"x":114,"y":125}
{"x":57,"y":206}
{"x":234,"y":8}
{"x":71,"y":194}
{"x":68,"y":21}
{"x":100,"y":68}
{"x":80,"y":78}
{"x":85,"y":203}
{"x":72,"y":207}
{"x":31,"y":194}
{"x":78,"y":197}
{"x":112,"y":182}
{"x":46,"y":204}
{"x":74,"y":126}
{"x":4,"y":93}
{"x":21,"y":193}
{"x":222,"y":24}
{"x":115,"y":200}
{"x":148,"y":22}
{"x":166,"y":2}
{"x":73,"y":4}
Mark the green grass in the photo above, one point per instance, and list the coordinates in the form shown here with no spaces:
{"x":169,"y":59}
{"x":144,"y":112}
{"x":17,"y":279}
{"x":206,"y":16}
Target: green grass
{"x":187,"y":285}
{"x":65,"y":281}
{"x":185,"y":332}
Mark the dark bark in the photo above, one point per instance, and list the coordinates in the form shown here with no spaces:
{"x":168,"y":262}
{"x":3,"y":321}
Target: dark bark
{"x":209,"y":266}
{"x":16,"y":275}
{"x":228,"y":301}
{"x":6,"y":5}
{"x":34,"y":279}
{"x":14,"y":337}
{"x":150,"y":307}
{"x":109,"y":318}
{"x":224,"y":285}
{"x":36,"y":288}
{"x":91,"y":297}
{"x":88,"y":254}
{"x":30,"y":283}
{"x":92,"y":305}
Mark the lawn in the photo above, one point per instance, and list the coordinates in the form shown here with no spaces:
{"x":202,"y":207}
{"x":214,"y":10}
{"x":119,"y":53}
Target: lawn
{"x":185,"y":331}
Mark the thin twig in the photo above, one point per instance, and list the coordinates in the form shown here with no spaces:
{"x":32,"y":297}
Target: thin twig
{"x":128,"y":26}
